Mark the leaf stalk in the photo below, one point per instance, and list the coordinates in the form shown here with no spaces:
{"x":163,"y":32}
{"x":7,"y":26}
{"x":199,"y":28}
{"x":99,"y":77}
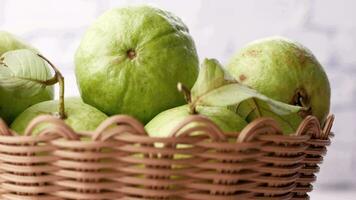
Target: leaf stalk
{"x":57,"y":78}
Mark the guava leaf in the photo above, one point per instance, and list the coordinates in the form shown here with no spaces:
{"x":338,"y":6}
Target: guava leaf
{"x":23,"y":72}
{"x":215,"y":88}
{"x":211,"y":76}
{"x":253,"y":108}
{"x":235,"y":93}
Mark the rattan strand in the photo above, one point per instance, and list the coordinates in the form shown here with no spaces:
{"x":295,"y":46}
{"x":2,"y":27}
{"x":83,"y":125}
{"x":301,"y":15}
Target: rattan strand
{"x":197,"y":162}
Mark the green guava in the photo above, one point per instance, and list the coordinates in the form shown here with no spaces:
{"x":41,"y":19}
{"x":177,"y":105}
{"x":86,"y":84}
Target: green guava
{"x":163,"y":124}
{"x":285,"y":71}
{"x":79,"y":116}
{"x":131,"y":59}
{"x":9,"y":42}
{"x":12,"y":103}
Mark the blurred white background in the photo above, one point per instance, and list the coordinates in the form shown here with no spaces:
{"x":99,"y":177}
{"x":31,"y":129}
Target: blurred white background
{"x":220,"y":28}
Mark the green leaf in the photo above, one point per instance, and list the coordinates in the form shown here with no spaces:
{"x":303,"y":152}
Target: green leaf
{"x":211,"y":76}
{"x":253,"y":108}
{"x":235,"y":93}
{"x":250,"y":104}
{"x":23,"y":72}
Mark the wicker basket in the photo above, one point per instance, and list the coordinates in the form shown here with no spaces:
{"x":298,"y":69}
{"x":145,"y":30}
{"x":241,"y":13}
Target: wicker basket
{"x":199,"y":162}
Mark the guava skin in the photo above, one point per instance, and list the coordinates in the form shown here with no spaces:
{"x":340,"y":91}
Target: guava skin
{"x":131,"y":59}
{"x":9,"y":42}
{"x":11,"y":105}
{"x":163,"y":124}
{"x":285,"y":71}
{"x":80,"y":116}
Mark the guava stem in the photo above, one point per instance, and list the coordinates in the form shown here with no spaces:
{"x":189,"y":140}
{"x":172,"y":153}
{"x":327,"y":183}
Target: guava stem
{"x":185,"y":91}
{"x":187,"y":96}
{"x":192,"y":109}
{"x":57,"y":78}
{"x":62,"y":113}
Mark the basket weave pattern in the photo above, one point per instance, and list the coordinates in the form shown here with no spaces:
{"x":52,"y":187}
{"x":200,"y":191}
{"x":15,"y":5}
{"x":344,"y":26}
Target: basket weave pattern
{"x":197,"y":162}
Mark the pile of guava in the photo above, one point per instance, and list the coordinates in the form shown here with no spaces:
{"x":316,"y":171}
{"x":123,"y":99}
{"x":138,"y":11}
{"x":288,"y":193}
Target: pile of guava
{"x":142,"y":61}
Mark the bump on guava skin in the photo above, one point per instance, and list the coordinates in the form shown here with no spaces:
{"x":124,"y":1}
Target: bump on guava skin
{"x":80,"y":116}
{"x":163,"y":124}
{"x":242,"y":78}
{"x":284,"y":70}
{"x":11,"y":104}
{"x":131,"y":59}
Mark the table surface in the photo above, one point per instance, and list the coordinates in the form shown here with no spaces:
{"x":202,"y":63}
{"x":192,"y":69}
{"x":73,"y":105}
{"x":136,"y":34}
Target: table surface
{"x":333,"y":195}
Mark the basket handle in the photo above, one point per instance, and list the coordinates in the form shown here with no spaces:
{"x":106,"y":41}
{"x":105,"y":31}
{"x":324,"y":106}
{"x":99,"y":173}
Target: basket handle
{"x":327,"y":126}
{"x":125,"y":124}
{"x":310,"y":125}
{"x":205,"y":125}
{"x":4,"y":129}
{"x":259,"y":126}
{"x":57,"y":126}
{"x":110,"y":133}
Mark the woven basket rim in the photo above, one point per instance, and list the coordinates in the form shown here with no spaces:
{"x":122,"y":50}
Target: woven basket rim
{"x":6,"y":134}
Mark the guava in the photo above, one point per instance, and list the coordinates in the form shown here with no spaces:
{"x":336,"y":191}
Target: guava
{"x":131,"y":59}
{"x":211,"y":76}
{"x":163,"y":124}
{"x":79,"y":116}
{"x":9,"y":42}
{"x":286,"y":71}
{"x":13,"y":100}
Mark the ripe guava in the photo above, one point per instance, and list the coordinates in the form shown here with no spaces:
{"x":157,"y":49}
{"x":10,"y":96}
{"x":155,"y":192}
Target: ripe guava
{"x":163,"y":124}
{"x":13,"y":102}
{"x":285,"y":71}
{"x":80,"y":116}
{"x":131,"y":59}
